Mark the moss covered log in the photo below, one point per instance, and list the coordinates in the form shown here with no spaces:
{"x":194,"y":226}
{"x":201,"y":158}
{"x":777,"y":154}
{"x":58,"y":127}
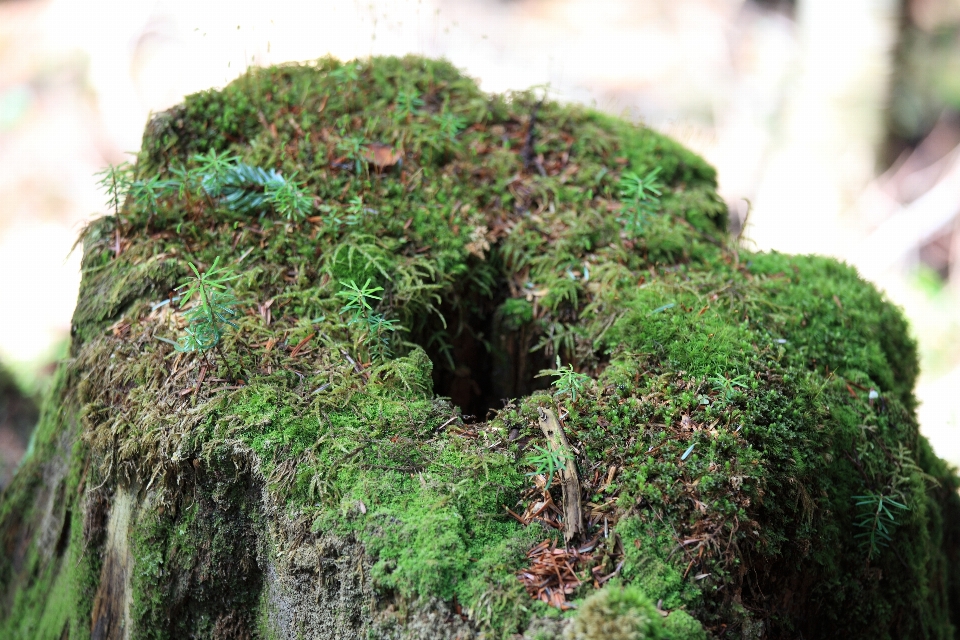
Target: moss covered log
{"x":352,"y":448}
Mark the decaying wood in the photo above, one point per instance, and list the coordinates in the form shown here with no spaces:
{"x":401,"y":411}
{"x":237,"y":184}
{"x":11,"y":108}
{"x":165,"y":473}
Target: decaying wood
{"x":572,"y":510}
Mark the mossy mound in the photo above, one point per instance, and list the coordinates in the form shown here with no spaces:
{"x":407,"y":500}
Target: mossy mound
{"x":742,"y":424}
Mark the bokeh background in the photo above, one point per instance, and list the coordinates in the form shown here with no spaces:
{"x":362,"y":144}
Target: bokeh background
{"x":838,"y":120}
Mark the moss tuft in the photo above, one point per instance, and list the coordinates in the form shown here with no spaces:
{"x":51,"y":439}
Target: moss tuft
{"x":616,"y":613}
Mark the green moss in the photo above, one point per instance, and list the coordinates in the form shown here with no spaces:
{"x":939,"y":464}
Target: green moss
{"x":52,"y":556}
{"x":616,"y":613}
{"x":737,"y":402}
{"x":197,"y":556}
{"x":680,"y":625}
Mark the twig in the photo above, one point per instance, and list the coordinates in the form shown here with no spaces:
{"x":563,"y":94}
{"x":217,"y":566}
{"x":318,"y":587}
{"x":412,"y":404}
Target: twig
{"x":356,"y":367}
{"x":570,"y":479}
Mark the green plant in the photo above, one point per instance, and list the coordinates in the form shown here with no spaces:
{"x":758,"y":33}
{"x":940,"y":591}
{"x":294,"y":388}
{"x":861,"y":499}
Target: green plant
{"x":147,"y":194}
{"x":289,"y":199}
{"x":211,"y":315}
{"x":727,"y":386}
{"x":116,"y":183}
{"x":243,"y":188}
{"x":333,"y":218}
{"x":547,"y":462}
{"x":345,"y":72}
{"x":374,"y":325}
{"x":639,"y":196}
{"x":568,"y":382}
{"x":637,"y":189}
{"x":355,"y":207}
{"x":408,"y":102}
{"x":214,"y":167}
{"x":876,"y":520}
{"x":450,"y":124}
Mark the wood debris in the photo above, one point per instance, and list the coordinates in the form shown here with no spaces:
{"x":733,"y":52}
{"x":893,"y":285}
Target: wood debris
{"x":552,"y":573}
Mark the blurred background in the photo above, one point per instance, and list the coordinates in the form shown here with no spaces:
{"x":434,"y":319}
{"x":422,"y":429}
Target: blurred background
{"x":838,"y":120}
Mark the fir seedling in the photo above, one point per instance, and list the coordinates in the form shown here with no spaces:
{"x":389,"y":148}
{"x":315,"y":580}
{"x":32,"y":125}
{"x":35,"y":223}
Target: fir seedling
{"x":374,"y":325}
{"x":345,"y":72}
{"x":289,"y":199}
{"x":728,"y":386}
{"x":640,"y":196}
{"x":243,"y":188}
{"x":877,"y":521}
{"x":546,"y":462}
{"x":450,"y":124}
{"x":147,"y":194}
{"x":214,"y":168}
{"x":568,"y":382}
{"x":355,"y":207}
{"x":211,"y":315}
{"x":633,"y":188}
{"x":352,"y":148}
{"x":115,"y":182}
{"x":408,"y":102}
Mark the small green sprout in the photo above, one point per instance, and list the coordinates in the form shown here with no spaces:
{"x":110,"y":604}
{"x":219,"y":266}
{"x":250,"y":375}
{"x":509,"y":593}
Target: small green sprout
{"x":636,"y":189}
{"x":342,"y":124}
{"x":212,"y":314}
{"x":640,"y":196}
{"x":408,"y":102}
{"x":450,"y":124}
{"x":547,"y":462}
{"x":345,"y":72}
{"x":214,"y":167}
{"x":289,"y":199}
{"x":877,"y":521}
{"x":147,"y":194}
{"x":727,"y":386}
{"x":116,"y":183}
{"x":243,"y":188}
{"x":358,"y":298}
{"x":375,"y":325}
{"x":355,"y":206}
{"x":568,"y":382}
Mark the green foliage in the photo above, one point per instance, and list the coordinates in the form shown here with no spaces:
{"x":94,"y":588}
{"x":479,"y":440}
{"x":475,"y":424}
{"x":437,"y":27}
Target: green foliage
{"x":289,"y":199}
{"x":355,"y":207}
{"x":352,"y":148}
{"x":147,"y":194}
{"x":375,"y":327}
{"x":213,"y":169}
{"x":680,"y":625}
{"x":408,"y":102}
{"x":877,"y":521}
{"x":244,"y":188}
{"x":569,"y":382}
{"x":546,"y":461}
{"x":616,"y":612}
{"x":640,"y":198}
{"x":115,"y":181}
{"x":213,"y":310}
{"x":450,"y":124}
{"x":728,"y":386}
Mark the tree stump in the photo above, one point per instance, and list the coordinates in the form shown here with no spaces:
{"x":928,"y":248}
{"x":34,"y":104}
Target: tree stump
{"x":350,"y":450}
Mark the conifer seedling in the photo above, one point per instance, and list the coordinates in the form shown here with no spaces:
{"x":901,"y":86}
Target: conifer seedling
{"x":212,"y":314}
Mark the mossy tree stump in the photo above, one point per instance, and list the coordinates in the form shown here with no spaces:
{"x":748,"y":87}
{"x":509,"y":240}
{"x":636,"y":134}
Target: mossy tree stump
{"x":741,"y":425}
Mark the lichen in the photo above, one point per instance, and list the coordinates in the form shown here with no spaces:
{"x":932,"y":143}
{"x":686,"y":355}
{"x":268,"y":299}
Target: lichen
{"x":735,"y":405}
